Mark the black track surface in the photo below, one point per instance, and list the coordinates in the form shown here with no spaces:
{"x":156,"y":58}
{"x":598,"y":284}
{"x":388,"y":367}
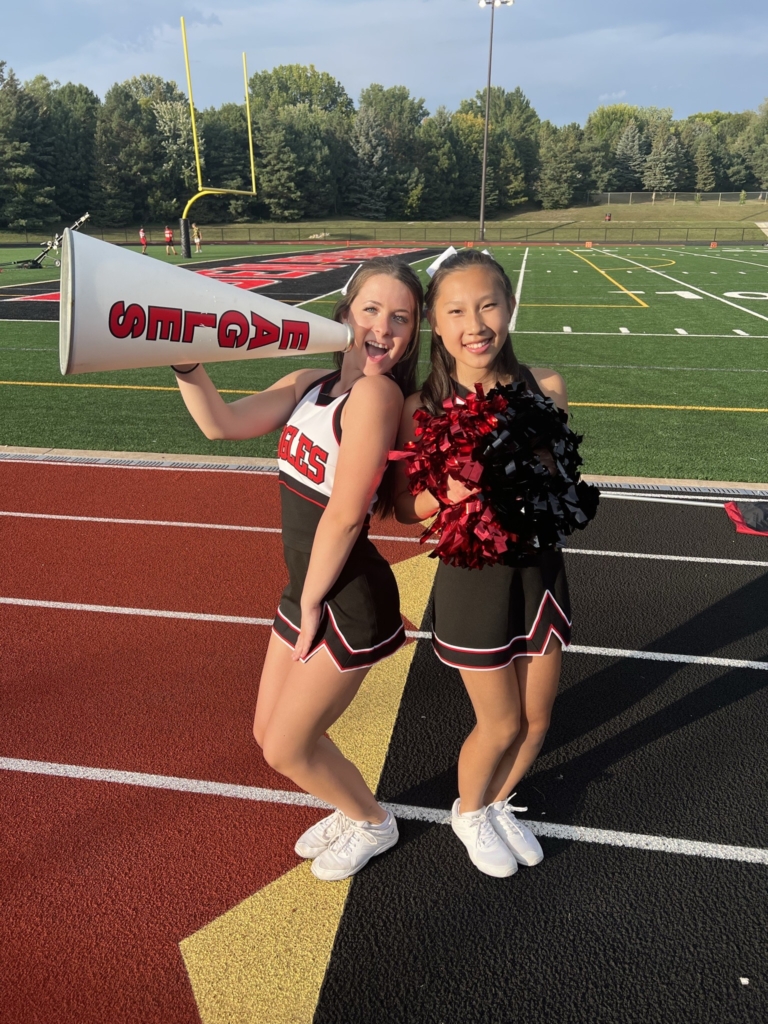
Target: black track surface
{"x":595,"y":933}
{"x":291,"y":291}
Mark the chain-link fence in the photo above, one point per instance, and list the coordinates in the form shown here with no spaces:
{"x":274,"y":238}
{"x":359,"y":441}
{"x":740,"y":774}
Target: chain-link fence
{"x":644,"y":198}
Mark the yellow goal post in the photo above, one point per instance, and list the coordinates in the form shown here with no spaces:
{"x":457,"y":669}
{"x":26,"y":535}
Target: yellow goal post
{"x":203,"y":190}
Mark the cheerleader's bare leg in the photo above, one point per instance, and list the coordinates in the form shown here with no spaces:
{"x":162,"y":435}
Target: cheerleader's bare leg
{"x":537,"y":680}
{"x":512,"y":706}
{"x":298,"y":703}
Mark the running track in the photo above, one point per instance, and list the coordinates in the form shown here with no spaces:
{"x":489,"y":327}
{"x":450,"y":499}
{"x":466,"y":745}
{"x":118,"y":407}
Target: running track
{"x":127,"y":899}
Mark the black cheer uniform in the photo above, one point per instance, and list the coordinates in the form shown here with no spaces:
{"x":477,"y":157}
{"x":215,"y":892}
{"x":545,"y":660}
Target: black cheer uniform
{"x":485,"y":618}
{"x":361,"y":621}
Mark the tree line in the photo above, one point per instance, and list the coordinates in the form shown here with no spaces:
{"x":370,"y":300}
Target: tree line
{"x":130,"y":158}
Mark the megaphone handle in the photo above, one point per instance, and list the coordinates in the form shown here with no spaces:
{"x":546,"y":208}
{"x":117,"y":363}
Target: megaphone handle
{"x":177,"y":369}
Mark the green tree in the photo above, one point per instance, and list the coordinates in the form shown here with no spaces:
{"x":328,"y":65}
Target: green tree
{"x":26,"y":157}
{"x":71,"y":118}
{"x":224,"y":133}
{"x":597,"y":164}
{"x":437,"y":149}
{"x":664,"y":167}
{"x":630,"y":159}
{"x":468,"y":131}
{"x":280,"y":171}
{"x":399,"y":115}
{"x":706,"y":179}
{"x":559,"y":177}
{"x":515,"y":126}
{"x":176,"y":180}
{"x":369,"y":186}
{"x":293,"y":84}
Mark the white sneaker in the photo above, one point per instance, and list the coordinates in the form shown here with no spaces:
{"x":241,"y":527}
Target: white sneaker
{"x":320,"y":836}
{"x":353,"y":847}
{"x":487,"y":850}
{"x":520,"y":840}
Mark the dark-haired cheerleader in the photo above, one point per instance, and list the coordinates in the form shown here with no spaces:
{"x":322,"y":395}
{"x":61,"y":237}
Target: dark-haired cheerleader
{"x":503,"y":626}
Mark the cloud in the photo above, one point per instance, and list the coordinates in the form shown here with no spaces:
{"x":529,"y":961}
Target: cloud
{"x":691,"y":55}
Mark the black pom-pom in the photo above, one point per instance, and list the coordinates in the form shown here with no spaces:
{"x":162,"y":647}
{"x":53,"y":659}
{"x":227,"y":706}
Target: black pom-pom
{"x":531,"y":471}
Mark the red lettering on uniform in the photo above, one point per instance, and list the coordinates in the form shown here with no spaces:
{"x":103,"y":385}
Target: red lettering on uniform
{"x":295,"y":334}
{"x":165,"y":321}
{"x":303,"y":449}
{"x":316,"y":467}
{"x":233,"y":329}
{"x":286,"y":440}
{"x":193,"y":320}
{"x":123,"y":322}
{"x":264,"y":332}
{"x":308,"y":459}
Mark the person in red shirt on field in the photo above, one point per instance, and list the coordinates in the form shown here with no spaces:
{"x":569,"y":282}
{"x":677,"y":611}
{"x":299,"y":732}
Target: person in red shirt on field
{"x":169,"y":247}
{"x":143,"y":240}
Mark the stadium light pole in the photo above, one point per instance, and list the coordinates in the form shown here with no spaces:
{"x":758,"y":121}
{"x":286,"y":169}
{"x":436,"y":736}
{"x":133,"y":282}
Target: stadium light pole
{"x":493,"y":4}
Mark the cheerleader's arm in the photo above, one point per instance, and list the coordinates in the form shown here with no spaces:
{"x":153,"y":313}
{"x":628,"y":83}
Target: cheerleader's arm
{"x":251,"y":416}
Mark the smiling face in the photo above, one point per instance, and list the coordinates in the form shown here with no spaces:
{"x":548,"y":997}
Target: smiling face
{"x":383,"y":317}
{"x":471,"y":315}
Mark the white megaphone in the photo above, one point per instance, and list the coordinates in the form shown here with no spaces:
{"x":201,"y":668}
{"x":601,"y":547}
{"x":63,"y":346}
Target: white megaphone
{"x":120,"y":311}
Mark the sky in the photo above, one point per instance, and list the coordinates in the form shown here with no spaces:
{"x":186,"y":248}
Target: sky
{"x":568,"y":56}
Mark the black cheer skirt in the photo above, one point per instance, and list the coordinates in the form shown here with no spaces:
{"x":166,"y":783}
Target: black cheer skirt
{"x":361,"y":621}
{"x":485,"y":618}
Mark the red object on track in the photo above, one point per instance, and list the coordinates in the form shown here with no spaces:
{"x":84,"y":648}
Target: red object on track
{"x":737,"y":518}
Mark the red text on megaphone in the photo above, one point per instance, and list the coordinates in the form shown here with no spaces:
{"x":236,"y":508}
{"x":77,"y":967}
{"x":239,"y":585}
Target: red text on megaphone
{"x":170,"y":323}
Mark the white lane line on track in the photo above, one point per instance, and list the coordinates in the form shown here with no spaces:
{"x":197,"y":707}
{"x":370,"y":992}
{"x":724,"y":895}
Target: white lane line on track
{"x":666,"y":558}
{"x":712,"y":503}
{"x":685,"y":284}
{"x":382,"y":537}
{"x":152,"y":613}
{"x":243,"y":620}
{"x":578,"y":833}
{"x":682,"y":659}
{"x":141,"y":522}
{"x":518,"y":293}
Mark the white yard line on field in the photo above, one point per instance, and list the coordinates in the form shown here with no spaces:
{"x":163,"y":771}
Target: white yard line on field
{"x":707,"y":256}
{"x":518,"y":293}
{"x":693,"y":287}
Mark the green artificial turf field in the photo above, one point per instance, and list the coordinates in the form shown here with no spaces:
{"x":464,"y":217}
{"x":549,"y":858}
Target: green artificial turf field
{"x":630,"y":329}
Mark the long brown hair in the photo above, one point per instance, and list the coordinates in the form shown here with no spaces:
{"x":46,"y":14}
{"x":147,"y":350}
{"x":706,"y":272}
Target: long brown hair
{"x":439,"y":384}
{"x":404,"y":370}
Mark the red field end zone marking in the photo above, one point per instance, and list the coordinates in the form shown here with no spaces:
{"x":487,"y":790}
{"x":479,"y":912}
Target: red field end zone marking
{"x":260,"y":274}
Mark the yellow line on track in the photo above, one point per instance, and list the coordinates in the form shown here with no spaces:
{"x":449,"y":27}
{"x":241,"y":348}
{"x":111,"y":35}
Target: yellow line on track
{"x":107,"y":387}
{"x":263,"y":961}
{"x":609,"y":278}
{"x":687,"y":408}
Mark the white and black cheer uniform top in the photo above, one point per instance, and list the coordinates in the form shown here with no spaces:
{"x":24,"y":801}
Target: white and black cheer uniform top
{"x":307,"y":455}
{"x":361,"y":621}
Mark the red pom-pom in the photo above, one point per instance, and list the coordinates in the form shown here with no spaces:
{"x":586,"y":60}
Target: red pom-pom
{"x":468,"y":533}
